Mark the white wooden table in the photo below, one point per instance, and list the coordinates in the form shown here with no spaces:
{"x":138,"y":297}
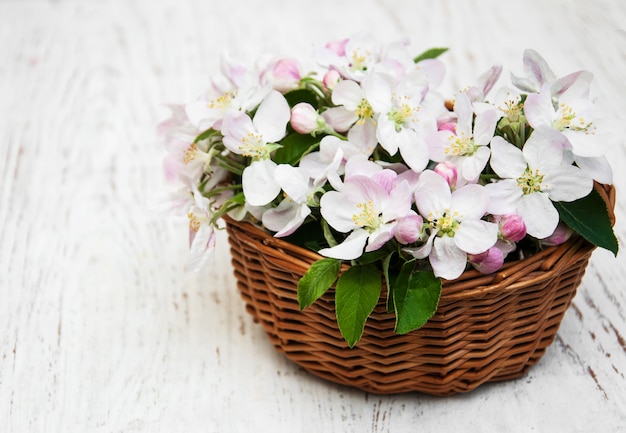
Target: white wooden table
{"x":101,"y":330}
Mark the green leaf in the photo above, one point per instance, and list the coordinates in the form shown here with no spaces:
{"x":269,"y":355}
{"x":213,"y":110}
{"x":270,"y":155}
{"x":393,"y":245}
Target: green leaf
{"x":433,"y":53}
{"x":294,"y":147}
{"x":206,"y":134}
{"x":416,"y":297}
{"x":589,"y":217}
{"x":302,"y":95}
{"x":357,"y":293}
{"x":317,"y":280}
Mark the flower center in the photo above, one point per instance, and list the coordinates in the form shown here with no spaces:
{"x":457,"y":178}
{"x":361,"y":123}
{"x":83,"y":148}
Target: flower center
{"x":567,"y":119}
{"x":222,"y":101}
{"x":511,"y":107}
{"x":531,"y":181}
{"x":368,"y":217}
{"x":194,"y":222}
{"x":447,"y":224}
{"x":403,"y":114}
{"x":253,"y":145}
{"x":364,"y":111}
{"x":359,"y":60}
{"x":193,"y":153}
{"x":462,"y":145}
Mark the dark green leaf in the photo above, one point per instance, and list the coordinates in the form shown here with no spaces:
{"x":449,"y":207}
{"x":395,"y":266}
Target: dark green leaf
{"x":319,"y":278}
{"x":302,"y":95}
{"x":294,"y":147}
{"x":433,"y":53}
{"x":416,"y":296}
{"x":589,"y":217}
{"x":357,"y":293}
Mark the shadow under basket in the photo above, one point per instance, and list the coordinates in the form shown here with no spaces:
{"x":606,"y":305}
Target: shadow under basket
{"x":487,"y":327}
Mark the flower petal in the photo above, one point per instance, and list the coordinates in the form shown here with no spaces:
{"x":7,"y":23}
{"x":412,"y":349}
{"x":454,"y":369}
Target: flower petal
{"x":259,"y":185}
{"x":506,"y":160}
{"x":539,"y":214}
{"x":432,"y":195}
{"x":348,"y":93}
{"x":567,"y":183}
{"x":476,"y":236}
{"x":448,"y":260}
{"x":272,"y":116}
{"x":470,"y":201}
{"x":351,"y":248}
{"x":285,"y":218}
{"x":503,"y":196}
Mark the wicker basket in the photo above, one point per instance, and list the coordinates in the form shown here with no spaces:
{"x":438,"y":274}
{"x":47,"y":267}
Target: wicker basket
{"x":487,"y":328}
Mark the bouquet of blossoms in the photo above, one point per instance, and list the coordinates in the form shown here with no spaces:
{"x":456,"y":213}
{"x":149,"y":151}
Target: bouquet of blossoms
{"x":363,"y":161}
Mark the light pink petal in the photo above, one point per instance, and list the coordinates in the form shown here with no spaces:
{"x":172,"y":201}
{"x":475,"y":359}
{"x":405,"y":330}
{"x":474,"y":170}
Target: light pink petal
{"x":437,"y":144}
{"x":465,"y":114}
{"x":363,"y":135}
{"x":432,"y":195}
{"x":448,"y":260}
{"x":423,"y":251}
{"x":348,"y":93}
{"x":400,"y":201}
{"x":476,"y":236}
{"x":470,"y":201}
{"x":351,"y":248}
{"x":598,"y":168}
{"x":201,"y":248}
{"x":539,"y":214}
{"x":472,"y":166}
{"x":294,"y":181}
{"x":485,"y":126}
{"x":567,"y":183}
{"x":378,"y":92}
{"x":286,"y":218}
{"x":503,"y":197}
{"x":259,"y":185}
{"x":339,"y":118}
{"x":380,"y":236}
{"x":272,"y":116}
{"x":506,"y":160}
{"x":575,"y":84}
{"x":538,"y":109}
{"x":413,"y":150}
{"x":544,"y":148}
{"x":337,"y":208}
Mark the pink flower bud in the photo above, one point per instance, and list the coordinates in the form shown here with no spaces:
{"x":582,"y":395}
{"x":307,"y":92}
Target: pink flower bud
{"x":512,"y":227}
{"x":408,"y":229}
{"x":487,"y":262}
{"x":448,"y":171}
{"x":304,"y":118}
{"x":560,"y":235}
{"x":286,"y":74}
{"x":448,"y":126}
{"x":331,"y":78}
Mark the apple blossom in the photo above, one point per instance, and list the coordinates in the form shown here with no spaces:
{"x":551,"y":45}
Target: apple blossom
{"x":487,"y":262}
{"x":454,"y":222}
{"x":468,"y":146}
{"x":368,"y":208}
{"x":533,"y":178}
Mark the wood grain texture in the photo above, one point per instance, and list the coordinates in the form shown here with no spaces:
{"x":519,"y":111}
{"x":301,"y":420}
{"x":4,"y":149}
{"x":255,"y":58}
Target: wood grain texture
{"x":101,"y":330}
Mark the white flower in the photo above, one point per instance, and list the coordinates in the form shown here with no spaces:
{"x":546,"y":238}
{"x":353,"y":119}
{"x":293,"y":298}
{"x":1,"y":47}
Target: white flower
{"x":533,"y":178}
{"x":403,"y":122}
{"x":574,"y":117}
{"x":353,"y":113}
{"x":454,"y":222}
{"x":468,"y":147}
{"x":369,"y":209}
{"x":299,"y":189}
{"x":256,"y":138}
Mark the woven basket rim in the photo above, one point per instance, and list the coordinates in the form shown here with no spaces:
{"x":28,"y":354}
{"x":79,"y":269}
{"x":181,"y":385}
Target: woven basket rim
{"x":530,"y":270}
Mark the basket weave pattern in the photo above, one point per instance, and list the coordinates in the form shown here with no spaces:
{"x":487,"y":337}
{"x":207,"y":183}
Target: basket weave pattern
{"x":486,"y":328}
